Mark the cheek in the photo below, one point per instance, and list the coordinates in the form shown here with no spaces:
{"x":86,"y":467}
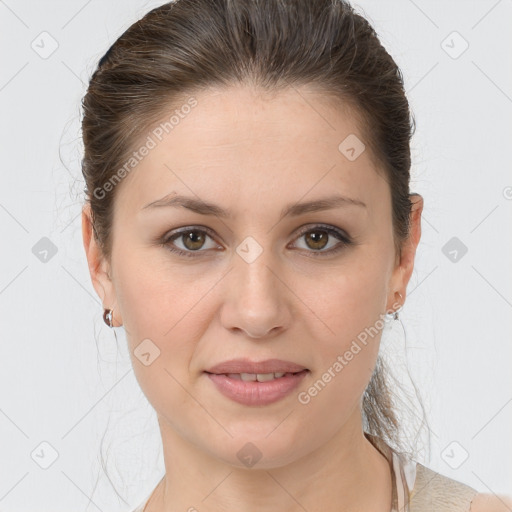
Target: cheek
{"x":155,"y":296}
{"x":352,"y":301}
{"x":348,"y":335}
{"x":160,"y":349}
{"x":157,"y":307}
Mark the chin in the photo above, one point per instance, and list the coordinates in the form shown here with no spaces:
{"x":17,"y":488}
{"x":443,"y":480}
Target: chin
{"x":260,"y":447}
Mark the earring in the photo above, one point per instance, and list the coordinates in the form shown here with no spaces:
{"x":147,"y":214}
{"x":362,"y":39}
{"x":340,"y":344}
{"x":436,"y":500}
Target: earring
{"x":108,"y":317}
{"x":395,"y":314}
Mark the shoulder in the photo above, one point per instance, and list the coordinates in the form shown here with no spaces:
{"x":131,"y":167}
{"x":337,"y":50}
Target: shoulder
{"x":434,"y":491}
{"x":484,"y":502}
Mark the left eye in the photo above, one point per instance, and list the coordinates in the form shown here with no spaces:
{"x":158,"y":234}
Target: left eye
{"x":317,"y":238}
{"x":192,"y":240}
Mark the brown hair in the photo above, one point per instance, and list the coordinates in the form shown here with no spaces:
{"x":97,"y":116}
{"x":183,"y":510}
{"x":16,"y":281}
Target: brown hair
{"x":189,"y":45}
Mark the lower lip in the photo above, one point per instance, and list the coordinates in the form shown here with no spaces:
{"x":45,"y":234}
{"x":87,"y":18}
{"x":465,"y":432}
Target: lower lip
{"x":257,"y":393}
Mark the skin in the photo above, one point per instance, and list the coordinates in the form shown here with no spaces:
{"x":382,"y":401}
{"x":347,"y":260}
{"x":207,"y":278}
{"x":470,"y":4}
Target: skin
{"x":254,"y":154}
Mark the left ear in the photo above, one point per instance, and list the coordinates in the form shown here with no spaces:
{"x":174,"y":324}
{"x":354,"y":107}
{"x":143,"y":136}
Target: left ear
{"x":403,"y":270}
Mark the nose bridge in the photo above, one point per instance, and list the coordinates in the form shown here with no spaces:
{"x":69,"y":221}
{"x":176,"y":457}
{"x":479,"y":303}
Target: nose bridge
{"x":253,"y":269}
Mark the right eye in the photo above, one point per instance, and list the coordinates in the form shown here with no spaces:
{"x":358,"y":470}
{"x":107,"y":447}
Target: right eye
{"x":191,"y":239}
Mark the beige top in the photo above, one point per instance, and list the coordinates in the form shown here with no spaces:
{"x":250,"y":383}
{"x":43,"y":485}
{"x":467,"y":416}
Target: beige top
{"x":416,"y":488}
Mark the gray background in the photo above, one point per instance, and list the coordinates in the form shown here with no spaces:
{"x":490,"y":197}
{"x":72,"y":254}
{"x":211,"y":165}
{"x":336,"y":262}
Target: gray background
{"x":66,"y":384}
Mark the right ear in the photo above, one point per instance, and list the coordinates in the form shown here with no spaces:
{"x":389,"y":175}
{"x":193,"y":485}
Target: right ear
{"x":99,"y":267}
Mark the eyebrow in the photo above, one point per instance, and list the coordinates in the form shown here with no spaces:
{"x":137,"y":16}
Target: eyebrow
{"x":294,"y":209}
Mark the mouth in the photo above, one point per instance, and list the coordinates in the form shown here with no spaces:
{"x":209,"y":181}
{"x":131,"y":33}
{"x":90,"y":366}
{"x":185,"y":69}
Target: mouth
{"x":256,"y":389}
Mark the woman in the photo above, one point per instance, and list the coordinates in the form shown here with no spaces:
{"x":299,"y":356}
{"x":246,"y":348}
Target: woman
{"x":249,"y":223}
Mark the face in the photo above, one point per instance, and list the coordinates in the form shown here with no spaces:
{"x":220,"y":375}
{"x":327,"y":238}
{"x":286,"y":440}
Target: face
{"x":261,"y":277}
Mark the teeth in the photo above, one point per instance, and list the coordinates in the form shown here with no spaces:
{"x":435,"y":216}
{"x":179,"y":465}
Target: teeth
{"x":253,"y":377}
{"x":263,"y":377}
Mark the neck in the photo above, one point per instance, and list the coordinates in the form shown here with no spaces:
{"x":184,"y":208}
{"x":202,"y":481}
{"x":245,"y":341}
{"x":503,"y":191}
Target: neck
{"x":353,"y":475}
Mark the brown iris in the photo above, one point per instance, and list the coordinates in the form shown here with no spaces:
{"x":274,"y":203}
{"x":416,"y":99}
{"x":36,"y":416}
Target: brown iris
{"x":193,"y":240}
{"x":319,"y":239}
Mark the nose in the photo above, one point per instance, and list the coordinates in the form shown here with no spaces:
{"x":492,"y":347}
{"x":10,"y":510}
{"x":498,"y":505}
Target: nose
{"x":256,"y":301}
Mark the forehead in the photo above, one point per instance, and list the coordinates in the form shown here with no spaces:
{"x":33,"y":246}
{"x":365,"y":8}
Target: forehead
{"x":251,"y":143}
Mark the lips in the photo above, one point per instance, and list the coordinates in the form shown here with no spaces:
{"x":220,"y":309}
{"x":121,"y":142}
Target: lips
{"x":247,"y":367}
{"x":256,"y":393}
{"x":256,"y":383}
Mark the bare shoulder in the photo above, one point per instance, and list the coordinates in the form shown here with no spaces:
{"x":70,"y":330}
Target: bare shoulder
{"x":484,"y":502}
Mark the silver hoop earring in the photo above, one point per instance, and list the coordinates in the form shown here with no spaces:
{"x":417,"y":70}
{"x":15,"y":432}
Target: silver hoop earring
{"x":108,"y":317}
{"x":393,"y":315}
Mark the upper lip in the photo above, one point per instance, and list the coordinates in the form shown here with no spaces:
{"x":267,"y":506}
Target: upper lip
{"x":248,"y":366}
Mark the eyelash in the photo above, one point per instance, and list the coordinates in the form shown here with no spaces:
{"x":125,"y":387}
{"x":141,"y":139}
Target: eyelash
{"x":345,"y":241}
